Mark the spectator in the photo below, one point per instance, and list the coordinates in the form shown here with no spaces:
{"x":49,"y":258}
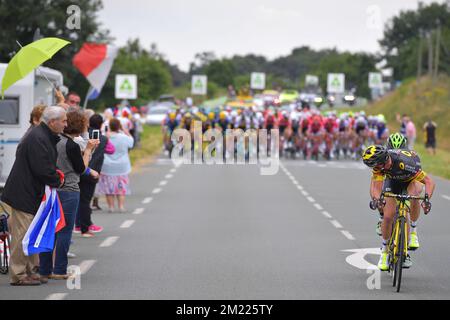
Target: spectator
{"x":410,"y":133}
{"x":403,"y":121}
{"x":114,"y":180}
{"x":35,"y":117}
{"x":73,"y":100}
{"x":430,"y":132}
{"x":73,"y":164}
{"x":33,"y":169}
{"x":87,"y":184}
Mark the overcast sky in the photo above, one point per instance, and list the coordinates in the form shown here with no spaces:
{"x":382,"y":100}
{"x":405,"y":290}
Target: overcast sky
{"x":182,"y":28}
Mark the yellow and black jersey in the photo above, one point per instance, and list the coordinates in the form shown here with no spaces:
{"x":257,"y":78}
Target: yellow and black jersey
{"x":406,"y":167}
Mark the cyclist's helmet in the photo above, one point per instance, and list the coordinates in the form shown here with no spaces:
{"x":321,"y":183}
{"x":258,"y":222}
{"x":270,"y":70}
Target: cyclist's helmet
{"x":396,"y":141}
{"x":172,"y":116}
{"x":375,"y":155}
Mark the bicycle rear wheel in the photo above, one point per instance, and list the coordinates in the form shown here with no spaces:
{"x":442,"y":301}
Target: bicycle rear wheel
{"x":401,"y":255}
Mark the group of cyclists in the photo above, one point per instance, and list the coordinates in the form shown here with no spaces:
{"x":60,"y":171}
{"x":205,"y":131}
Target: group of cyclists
{"x":303,"y":131}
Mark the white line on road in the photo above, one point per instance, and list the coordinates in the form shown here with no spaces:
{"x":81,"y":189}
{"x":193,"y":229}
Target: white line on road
{"x":138,"y":211}
{"x":173,"y":170}
{"x":305,"y":193}
{"x":56,"y":296}
{"x":147,"y":200}
{"x":86,"y":265}
{"x":311,"y":199}
{"x":445,"y":197}
{"x":168,"y":176}
{"x":127,"y":224}
{"x":295,"y":182}
{"x":157,"y":190}
{"x":336,"y":224}
{"x":300,"y":187}
{"x":108,"y":242}
{"x":318,"y":206}
{"x":347,"y":235}
{"x":163,"y":183}
{"x":326,"y":214}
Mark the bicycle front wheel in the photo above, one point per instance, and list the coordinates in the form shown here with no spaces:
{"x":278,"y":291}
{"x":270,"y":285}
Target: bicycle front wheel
{"x":401,"y":254}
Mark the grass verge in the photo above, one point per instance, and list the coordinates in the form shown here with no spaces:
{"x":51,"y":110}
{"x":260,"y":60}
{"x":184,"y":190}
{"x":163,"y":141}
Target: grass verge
{"x":151,"y":144}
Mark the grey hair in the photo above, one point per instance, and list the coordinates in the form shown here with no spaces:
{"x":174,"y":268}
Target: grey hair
{"x":52,"y":113}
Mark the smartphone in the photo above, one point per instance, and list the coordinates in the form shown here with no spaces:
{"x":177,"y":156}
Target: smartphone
{"x":96,"y":134}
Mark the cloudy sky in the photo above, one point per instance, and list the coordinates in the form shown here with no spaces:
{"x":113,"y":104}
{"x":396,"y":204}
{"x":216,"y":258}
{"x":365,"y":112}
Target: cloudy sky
{"x":182,"y":28}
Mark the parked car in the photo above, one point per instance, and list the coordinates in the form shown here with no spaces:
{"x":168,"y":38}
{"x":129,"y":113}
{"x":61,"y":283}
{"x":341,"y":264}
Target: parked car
{"x":157,"y":113}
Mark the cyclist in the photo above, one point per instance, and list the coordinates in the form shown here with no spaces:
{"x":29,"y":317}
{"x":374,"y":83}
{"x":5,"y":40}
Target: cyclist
{"x":398,"y":169}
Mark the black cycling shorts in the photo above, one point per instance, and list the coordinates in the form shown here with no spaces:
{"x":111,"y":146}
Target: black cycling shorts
{"x":395,"y":186}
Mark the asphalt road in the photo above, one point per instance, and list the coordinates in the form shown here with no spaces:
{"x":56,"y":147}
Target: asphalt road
{"x":227,"y":232}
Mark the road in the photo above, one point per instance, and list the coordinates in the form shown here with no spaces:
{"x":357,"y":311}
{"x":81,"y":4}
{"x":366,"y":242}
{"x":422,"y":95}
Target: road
{"x":227,"y":232}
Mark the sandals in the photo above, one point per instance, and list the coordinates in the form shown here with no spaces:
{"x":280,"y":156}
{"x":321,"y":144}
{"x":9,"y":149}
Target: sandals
{"x":26,"y":282}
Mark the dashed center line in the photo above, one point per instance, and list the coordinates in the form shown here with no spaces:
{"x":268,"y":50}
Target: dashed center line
{"x":336,"y":224}
{"x":127,"y":224}
{"x":138,"y":211}
{"x":86,"y":265}
{"x":445,"y":197}
{"x":347,"y":235}
{"x":147,"y":200}
{"x":326,"y":214}
{"x":310,"y":199}
{"x":173,"y":170}
{"x":305,"y":193}
{"x":163,"y":183}
{"x":108,"y":242}
{"x":318,"y":206}
{"x":157,"y":190}
{"x":57,"y":296}
{"x":168,"y":176}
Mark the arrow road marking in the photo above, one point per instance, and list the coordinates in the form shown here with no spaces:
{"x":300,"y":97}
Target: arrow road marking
{"x":357,"y":258}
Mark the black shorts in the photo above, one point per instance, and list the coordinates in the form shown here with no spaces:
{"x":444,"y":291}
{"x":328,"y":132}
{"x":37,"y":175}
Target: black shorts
{"x":431,"y":144}
{"x":395,"y":186}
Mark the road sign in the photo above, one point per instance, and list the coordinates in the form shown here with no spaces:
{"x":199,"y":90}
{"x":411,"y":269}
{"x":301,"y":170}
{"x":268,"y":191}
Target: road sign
{"x":336,"y":83}
{"x":126,"y":86}
{"x":375,"y":80}
{"x":199,"y":85}
{"x":311,"y":80}
{"x":357,"y":258}
{"x":258,"y":81}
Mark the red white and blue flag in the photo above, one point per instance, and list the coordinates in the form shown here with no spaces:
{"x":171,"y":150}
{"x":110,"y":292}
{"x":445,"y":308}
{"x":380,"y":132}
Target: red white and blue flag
{"x":49,"y":219}
{"x":94,"y":61}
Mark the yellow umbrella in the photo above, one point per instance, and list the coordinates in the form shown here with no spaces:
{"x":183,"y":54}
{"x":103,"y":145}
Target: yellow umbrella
{"x":29,"y":58}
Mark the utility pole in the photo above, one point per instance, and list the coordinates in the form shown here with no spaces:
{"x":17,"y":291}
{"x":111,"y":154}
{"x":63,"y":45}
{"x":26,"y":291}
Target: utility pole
{"x":438,"y":49}
{"x":430,"y":54}
{"x":419,"y":60}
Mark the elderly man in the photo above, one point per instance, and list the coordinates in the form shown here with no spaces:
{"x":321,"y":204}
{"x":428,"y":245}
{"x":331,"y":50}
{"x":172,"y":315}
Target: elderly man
{"x":34,"y":167}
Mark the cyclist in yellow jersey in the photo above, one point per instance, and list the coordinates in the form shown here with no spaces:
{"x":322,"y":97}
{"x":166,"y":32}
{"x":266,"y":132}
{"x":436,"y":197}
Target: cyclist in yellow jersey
{"x":394,"y":171}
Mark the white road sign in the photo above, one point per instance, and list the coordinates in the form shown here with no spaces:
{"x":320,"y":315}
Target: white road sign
{"x":258,"y":81}
{"x":311,"y":80}
{"x":126,"y":86}
{"x":375,"y":80}
{"x":336,"y":83}
{"x":199,"y":84}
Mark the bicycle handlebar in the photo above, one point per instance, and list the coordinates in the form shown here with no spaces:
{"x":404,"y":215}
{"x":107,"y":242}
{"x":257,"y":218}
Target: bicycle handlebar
{"x":401,"y":196}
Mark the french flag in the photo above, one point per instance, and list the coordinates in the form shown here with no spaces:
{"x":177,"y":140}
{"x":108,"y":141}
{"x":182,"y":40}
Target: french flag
{"x":94,"y":61}
{"x":49,"y":219}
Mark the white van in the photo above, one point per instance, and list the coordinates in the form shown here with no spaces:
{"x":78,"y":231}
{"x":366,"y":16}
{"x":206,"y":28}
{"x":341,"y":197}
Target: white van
{"x":15,"y":111}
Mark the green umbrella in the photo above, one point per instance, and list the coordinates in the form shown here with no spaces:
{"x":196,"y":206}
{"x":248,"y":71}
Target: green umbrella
{"x":29,"y":58}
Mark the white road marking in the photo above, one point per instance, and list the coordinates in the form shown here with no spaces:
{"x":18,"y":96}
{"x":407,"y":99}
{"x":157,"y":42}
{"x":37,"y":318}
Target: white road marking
{"x":445,"y":197}
{"x":295,"y":182}
{"x":357,"y":258}
{"x":108,"y":242}
{"x":138,"y":211}
{"x":163,"y":183}
{"x":326,"y":214}
{"x":349,"y":236}
{"x":322,"y":165}
{"x":157,"y":190}
{"x":147,"y":200}
{"x":318,"y":206}
{"x":173,"y":170}
{"x":300,"y":187}
{"x":86,"y":265}
{"x":311,"y":199}
{"x":336,"y":224}
{"x":57,"y":296}
{"x":127,"y":224}
{"x":168,"y":176}
{"x":305,"y":193}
